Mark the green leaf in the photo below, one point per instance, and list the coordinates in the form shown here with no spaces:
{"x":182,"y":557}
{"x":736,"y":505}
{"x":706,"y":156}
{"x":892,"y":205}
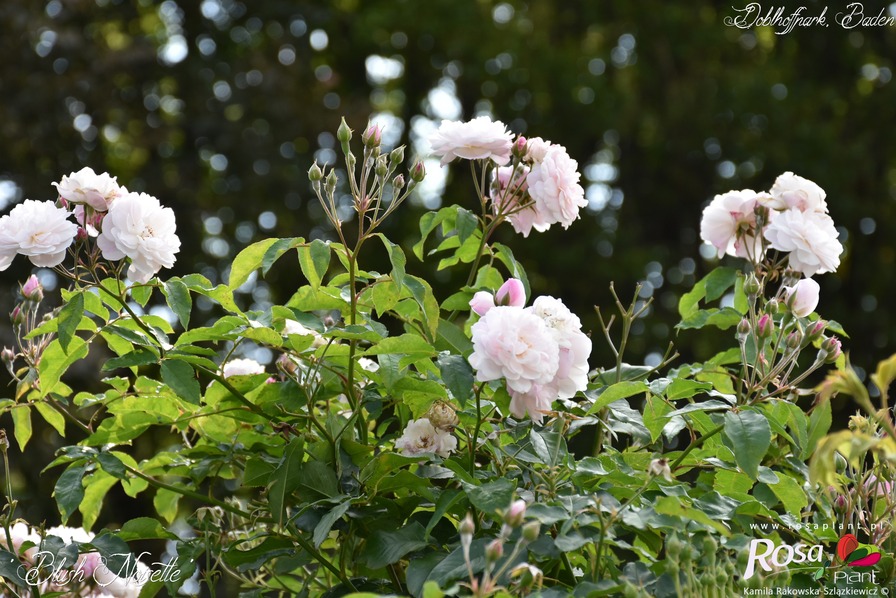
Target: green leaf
{"x":620,"y":390}
{"x":177,"y":295}
{"x":466,"y":223}
{"x":144,"y":528}
{"x":428,"y":223}
{"x":452,"y":338}
{"x":55,"y":362}
{"x":286,"y":478}
{"x":819,"y":424}
{"x":112,"y":465}
{"x":69,"y":490}
{"x":503,"y":253}
{"x":406,"y":344}
{"x":115,"y":552}
{"x":710,"y":288}
{"x":791,"y":494}
{"x":247,"y":261}
{"x":51,"y":416}
{"x":165,"y":502}
{"x":96,"y":486}
{"x":141,"y":293}
{"x":11,"y":568}
{"x":682,"y":388}
{"x":728,"y":482}
{"x":655,"y":419}
{"x":720,"y":318}
{"x":69,"y":318}
{"x":384,"y":548}
{"x":491,"y":497}
{"x":750,"y":437}
{"x":275,"y":251}
{"x":314,"y":259}
{"x":180,"y":378}
{"x":457,"y":376}
{"x":322,"y":529}
{"x":255,"y":557}
{"x":673,"y":505}
{"x":397,"y":259}
{"x":141,"y":356}
{"x":21,"y":420}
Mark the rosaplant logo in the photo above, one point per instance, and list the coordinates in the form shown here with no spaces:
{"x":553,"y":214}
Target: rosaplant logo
{"x":767,"y":556}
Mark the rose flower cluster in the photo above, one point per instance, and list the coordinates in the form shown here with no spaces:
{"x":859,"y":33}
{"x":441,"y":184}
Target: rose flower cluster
{"x":125,"y":224}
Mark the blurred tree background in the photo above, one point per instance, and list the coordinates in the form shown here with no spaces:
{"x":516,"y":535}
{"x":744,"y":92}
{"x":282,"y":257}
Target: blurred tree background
{"x":219,"y":107}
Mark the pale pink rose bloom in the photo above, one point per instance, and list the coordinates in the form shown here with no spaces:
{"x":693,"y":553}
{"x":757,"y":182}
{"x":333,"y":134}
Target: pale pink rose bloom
{"x":554,"y":185}
{"x":20,"y":533}
{"x":293,"y":327}
{"x":91,"y":224}
{"x":512,"y":293}
{"x":137,"y":575}
{"x":241,"y":367}
{"x":574,"y":346}
{"x":38,"y":230}
{"x":478,"y":139}
{"x":793,"y":191}
{"x":420,"y":437}
{"x":138,"y":227}
{"x":536,"y":148}
{"x":513,"y":199}
{"x":802,"y":297}
{"x":511,"y":343}
{"x":729,"y":223}
{"x":481,"y":302}
{"x":809,"y":237}
{"x":878,"y":486}
{"x":89,"y":188}
{"x":535,"y":403}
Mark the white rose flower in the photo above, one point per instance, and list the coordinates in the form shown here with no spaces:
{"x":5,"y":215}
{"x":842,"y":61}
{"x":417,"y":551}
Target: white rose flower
{"x":38,"y":230}
{"x":536,"y":148}
{"x":478,"y":139}
{"x":792,"y":191}
{"x":90,"y":188}
{"x":138,"y":227}
{"x":241,"y":367}
{"x":511,"y":343}
{"x":554,"y":186}
{"x":137,"y":573}
{"x":729,"y":223}
{"x":809,"y":237}
{"x":294,"y":327}
{"x":574,"y":346}
{"x":534,"y":403}
{"x":802,"y":297}
{"x":420,"y":437}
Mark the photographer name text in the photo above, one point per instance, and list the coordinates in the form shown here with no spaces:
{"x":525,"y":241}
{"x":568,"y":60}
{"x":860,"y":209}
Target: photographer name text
{"x":786,"y":19}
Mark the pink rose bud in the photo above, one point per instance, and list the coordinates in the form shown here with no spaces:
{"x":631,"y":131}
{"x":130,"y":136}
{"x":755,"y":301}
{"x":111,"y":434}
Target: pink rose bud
{"x":482,"y":302}
{"x":794,"y":340}
{"x":765,"y":326}
{"x":82,"y":234}
{"x":802,"y":298}
{"x":519,"y":147}
{"x":418,"y":172}
{"x":32,"y":290}
{"x":743,"y":329}
{"x":832,"y":349}
{"x":398,"y":182}
{"x":373,"y":136}
{"x":511,"y":293}
{"x":840,"y":503}
{"x":815,"y":330}
{"x":494,"y":550}
{"x":17,"y":316}
{"x":515,"y":514}
{"x":7,"y":355}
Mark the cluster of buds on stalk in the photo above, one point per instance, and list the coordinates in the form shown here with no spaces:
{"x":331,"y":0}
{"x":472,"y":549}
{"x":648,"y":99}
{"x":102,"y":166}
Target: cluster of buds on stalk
{"x":25,"y":318}
{"x":376,"y":190}
{"x":524,"y":576}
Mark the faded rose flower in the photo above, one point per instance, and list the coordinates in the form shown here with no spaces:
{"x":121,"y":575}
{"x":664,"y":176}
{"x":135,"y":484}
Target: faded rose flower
{"x":792,"y":191}
{"x":138,"y":227}
{"x":809,"y":237}
{"x":89,"y":188}
{"x":478,"y":139}
{"x":421,"y":437}
{"x":729,"y":223}
{"x":554,"y":186}
{"x":38,"y":230}
{"x":241,"y":367}
{"x":511,"y":343}
{"x":802,"y":297}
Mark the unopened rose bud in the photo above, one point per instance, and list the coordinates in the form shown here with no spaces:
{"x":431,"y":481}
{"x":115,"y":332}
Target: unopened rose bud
{"x":751,"y":285}
{"x":802,"y":297}
{"x":772,"y":307}
{"x":382,"y":166}
{"x":531,"y":531}
{"x":7,"y":356}
{"x":344,"y":133}
{"x":82,"y":234}
{"x":840,"y":463}
{"x":832,"y":349}
{"x":32,"y":290}
{"x":494,"y":551}
{"x":815,"y":330}
{"x":519,"y":148}
{"x":350,"y":161}
{"x":840,"y":504}
{"x":765,"y":326}
{"x":516,"y":514}
{"x":372,"y":136}
{"x":315,"y":173}
{"x":482,"y":302}
{"x":762,"y":214}
{"x":17,"y":316}
{"x":4,"y":441}
{"x":467,"y":527}
{"x":794,"y":340}
{"x":287,"y":364}
{"x":331,"y":183}
{"x":743,"y":329}
{"x":396,"y":156}
{"x":418,"y":172}
{"x":398,"y":182}
{"x":512,"y":293}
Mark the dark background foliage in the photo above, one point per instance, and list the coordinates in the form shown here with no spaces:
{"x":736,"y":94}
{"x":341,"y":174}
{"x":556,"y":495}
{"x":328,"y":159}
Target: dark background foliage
{"x":219,"y":107}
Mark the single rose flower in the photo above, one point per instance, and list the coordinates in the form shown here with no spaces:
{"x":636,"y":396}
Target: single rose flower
{"x":809,"y":237}
{"x":478,"y":139}
{"x":89,"y":188}
{"x":38,"y":230}
{"x":554,"y":186}
{"x":793,"y":191}
{"x":420,"y":437}
{"x":802,"y":297}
